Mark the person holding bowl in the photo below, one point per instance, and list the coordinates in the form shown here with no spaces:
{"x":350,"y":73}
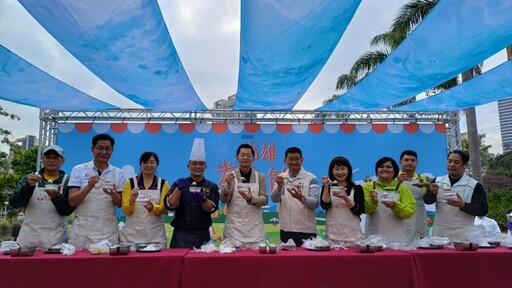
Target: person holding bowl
{"x":143,"y":204}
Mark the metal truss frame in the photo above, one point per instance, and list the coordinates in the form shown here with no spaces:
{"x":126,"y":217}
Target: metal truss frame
{"x":49,"y":119}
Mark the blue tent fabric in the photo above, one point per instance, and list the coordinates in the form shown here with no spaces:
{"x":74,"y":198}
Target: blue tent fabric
{"x":23,"y":83}
{"x":284,"y":46}
{"x":455,"y":36}
{"x":488,"y":87}
{"x":126,"y":44}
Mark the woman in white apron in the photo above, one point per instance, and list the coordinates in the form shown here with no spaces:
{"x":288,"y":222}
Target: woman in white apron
{"x":344,"y":203}
{"x":387,"y":203}
{"x":143,"y":205}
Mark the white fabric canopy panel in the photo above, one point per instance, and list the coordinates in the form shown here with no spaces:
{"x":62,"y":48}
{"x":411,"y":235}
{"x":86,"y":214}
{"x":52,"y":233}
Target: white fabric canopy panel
{"x":125,"y":43}
{"x":23,"y":83}
{"x":284,"y":46}
{"x":455,"y":36}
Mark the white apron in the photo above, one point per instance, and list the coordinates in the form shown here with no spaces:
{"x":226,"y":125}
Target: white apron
{"x":385,"y":223}
{"x":142,"y":226}
{"x":342,"y":226}
{"x":43,"y":226}
{"x":95,"y":218}
{"x":416,"y":226}
{"x":244,"y":222}
{"x":450,"y":221}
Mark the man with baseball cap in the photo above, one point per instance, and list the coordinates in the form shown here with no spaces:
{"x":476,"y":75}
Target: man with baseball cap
{"x":44,"y":195}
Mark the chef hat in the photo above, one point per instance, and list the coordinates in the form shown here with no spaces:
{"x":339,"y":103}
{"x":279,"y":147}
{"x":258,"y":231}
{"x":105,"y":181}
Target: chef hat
{"x":197,"y":153}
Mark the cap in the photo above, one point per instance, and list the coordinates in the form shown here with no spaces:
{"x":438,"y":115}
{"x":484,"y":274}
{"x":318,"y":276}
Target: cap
{"x":197,"y":153}
{"x":55,"y":148}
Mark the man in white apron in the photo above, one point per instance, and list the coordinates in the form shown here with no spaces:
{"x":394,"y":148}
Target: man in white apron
{"x":94,"y":189}
{"x":45,"y":198}
{"x":458,"y":199}
{"x":416,"y":226}
{"x":245,"y":192}
{"x":298,"y":192}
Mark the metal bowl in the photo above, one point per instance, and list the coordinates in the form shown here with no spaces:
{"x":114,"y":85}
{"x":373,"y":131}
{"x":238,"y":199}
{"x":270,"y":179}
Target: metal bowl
{"x":365,"y":248}
{"x":14,"y":251}
{"x":496,"y":243}
{"x":124,"y":249}
{"x":141,"y":245}
{"x":263,"y":248}
{"x":272,"y":248}
{"x":27,"y":250}
{"x":465,"y":246}
{"x":113,"y":250}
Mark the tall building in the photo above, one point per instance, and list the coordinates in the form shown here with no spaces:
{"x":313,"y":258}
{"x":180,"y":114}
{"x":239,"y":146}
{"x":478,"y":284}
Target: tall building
{"x":228,"y":105}
{"x":26,"y":142}
{"x":505,"y":115}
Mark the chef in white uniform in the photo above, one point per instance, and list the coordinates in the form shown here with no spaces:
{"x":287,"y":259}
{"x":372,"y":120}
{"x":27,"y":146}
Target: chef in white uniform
{"x":95,"y":191}
{"x":245,"y":192}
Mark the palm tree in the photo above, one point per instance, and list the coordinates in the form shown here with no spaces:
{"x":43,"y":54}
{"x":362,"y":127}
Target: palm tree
{"x":410,"y":15}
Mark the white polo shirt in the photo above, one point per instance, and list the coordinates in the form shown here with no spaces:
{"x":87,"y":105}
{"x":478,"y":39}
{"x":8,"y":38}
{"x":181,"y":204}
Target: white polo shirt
{"x":80,"y":175}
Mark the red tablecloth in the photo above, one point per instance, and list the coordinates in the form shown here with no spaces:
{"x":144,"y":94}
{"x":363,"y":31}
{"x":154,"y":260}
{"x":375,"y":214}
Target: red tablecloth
{"x":159,"y":269}
{"x":300,"y":268}
{"x":450,"y":268}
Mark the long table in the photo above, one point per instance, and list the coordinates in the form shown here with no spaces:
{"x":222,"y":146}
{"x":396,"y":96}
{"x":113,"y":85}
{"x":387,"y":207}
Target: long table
{"x":162,"y":269}
{"x":300,"y":268}
{"x":450,"y":268}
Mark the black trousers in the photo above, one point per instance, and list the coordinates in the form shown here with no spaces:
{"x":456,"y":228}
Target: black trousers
{"x":189,"y":239}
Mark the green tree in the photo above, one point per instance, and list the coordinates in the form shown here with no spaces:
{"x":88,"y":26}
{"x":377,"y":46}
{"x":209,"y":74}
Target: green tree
{"x":4,"y":133}
{"x":485,"y":156}
{"x":502,"y":164}
{"x":410,"y":15}
{"x":23,"y":162}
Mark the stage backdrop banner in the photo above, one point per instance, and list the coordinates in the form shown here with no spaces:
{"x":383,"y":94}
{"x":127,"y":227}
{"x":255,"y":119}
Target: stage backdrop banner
{"x":362,"y":144}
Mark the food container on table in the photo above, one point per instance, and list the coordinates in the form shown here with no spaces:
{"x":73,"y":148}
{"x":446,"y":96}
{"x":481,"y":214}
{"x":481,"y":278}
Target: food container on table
{"x":272,"y":248}
{"x":113,"y":250}
{"x":263,"y":248}
{"x":365,"y":248}
{"x":124,"y":249}
{"x":465,"y":246}
{"x":14,"y":251}
{"x":496,"y":243}
{"x":27,"y":250}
